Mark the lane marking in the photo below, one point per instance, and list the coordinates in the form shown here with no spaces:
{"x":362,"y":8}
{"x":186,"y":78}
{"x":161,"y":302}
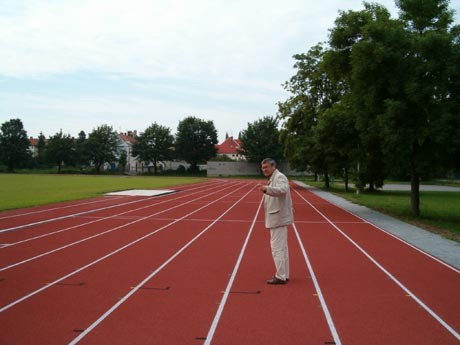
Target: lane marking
{"x":319,"y":293}
{"x":99,"y":219}
{"x":150,"y":276}
{"x":104,"y":232}
{"x":33,"y":293}
{"x":388,"y":233}
{"x":393,"y":278}
{"x":223,"y":301}
{"x":59,"y":208}
{"x":80,"y":213}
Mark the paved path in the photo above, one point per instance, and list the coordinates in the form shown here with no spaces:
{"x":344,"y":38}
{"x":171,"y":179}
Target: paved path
{"x":431,"y":188}
{"x":436,"y":245}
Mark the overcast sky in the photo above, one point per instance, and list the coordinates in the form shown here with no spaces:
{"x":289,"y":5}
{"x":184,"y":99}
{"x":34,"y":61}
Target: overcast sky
{"x":77,"y":64}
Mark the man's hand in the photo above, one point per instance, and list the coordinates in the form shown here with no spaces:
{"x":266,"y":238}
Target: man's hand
{"x":262,"y":188}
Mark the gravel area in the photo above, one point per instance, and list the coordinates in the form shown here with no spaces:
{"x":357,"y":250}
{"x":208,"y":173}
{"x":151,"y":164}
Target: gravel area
{"x":431,"y":188}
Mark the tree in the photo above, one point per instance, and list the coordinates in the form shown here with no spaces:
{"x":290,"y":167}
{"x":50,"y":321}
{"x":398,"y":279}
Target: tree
{"x":60,"y":150}
{"x":313,"y":92}
{"x":261,"y":140}
{"x":154,"y":145}
{"x":102,"y":146}
{"x":195,"y":141}
{"x":81,"y":153}
{"x":122,"y":161}
{"x":41,"y":149}
{"x":14,"y":144}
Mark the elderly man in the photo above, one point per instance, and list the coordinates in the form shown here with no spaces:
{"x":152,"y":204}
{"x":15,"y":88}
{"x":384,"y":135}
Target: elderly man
{"x":278,"y":214}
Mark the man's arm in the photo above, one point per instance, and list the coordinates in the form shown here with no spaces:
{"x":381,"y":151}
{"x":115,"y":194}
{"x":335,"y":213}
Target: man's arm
{"x":281,"y":188}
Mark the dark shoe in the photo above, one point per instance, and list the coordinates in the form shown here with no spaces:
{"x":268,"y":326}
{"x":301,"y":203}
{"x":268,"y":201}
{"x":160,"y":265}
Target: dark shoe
{"x":276,"y":281}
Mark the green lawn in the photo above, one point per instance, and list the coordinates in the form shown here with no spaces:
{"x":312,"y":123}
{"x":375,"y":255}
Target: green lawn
{"x":22,"y":190}
{"x":440,"y":211}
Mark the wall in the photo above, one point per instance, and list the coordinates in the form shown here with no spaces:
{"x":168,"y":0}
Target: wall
{"x":216,"y":169}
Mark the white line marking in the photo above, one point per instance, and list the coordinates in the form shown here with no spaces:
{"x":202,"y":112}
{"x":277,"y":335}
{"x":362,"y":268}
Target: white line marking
{"x":322,"y":300}
{"x":99,"y":219}
{"x":58,"y":208}
{"x":8,"y":306}
{"x":390,"y":234}
{"x":150,"y":276}
{"x":79,"y":213}
{"x":223,"y":301}
{"x":103,"y":233}
{"x":395,"y":280}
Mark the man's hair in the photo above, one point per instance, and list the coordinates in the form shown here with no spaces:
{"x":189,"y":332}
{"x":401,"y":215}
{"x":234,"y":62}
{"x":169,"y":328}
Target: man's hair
{"x":270,"y":161}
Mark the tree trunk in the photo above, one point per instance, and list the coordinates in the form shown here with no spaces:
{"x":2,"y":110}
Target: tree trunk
{"x":316,"y":177}
{"x":326,"y":180}
{"x":371,"y":186}
{"x":59,"y":168}
{"x":98,"y":168}
{"x":414,"y":183}
{"x":346,"y":180}
{"x":154,"y":167}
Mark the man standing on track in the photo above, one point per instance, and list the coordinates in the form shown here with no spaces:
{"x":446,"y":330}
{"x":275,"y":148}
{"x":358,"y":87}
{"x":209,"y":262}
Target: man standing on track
{"x":278,"y":214}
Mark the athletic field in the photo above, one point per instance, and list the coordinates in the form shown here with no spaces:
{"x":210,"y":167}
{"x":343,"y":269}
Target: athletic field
{"x":190,"y":268}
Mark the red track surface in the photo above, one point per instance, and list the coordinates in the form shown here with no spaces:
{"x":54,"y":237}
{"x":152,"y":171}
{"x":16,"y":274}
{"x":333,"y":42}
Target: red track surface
{"x":190,"y":268}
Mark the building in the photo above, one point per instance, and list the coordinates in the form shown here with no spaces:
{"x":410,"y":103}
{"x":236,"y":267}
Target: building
{"x":33,"y":146}
{"x":126,"y":142}
{"x":231,"y":148}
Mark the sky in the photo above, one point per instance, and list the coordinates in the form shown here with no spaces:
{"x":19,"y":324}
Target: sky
{"x":77,"y":64}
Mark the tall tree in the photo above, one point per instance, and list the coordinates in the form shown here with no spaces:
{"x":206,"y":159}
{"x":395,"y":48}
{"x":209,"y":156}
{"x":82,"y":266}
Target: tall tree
{"x":195,"y":141}
{"x":81,"y":153}
{"x":260,"y":140}
{"x":102,"y":146}
{"x":312,"y":93}
{"x":60,"y":150}
{"x":154,"y":145}
{"x":14,"y":144}
{"x":41,"y":148}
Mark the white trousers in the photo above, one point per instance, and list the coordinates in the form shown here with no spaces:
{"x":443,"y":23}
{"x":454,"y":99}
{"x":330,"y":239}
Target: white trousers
{"x":280,"y":252}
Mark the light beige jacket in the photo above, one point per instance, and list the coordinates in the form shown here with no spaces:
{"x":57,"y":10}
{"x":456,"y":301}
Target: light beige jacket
{"x":277,"y":202}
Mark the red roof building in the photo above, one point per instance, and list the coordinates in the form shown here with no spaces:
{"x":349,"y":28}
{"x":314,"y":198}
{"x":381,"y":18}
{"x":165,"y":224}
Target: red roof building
{"x":232,"y":148}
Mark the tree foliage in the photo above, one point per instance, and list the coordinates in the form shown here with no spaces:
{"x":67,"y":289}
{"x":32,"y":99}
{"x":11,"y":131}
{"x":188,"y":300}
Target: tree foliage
{"x":102,"y":146}
{"x":60,"y":150}
{"x":14,"y":144}
{"x":195,"y":141}
{"x":154,"y":145}
{"x":260,"y":140}
{"x":381,"y":98}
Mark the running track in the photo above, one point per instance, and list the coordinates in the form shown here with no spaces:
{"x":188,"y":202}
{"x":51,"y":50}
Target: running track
{"x":190,"y":268}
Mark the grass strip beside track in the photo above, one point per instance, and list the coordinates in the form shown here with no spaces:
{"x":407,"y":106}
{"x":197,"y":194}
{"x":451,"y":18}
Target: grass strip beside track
{"x":33,"y":190}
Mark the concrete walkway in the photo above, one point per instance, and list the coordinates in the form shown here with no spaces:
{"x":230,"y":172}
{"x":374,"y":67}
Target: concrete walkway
{"x":436,"y":245}
{"x":430,"y":188}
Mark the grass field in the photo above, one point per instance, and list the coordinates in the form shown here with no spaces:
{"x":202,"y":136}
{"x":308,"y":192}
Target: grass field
{"x":440,"y":211}
{"x":22,"y":190}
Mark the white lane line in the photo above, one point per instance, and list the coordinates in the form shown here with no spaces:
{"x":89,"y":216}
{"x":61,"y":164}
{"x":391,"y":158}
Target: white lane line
{"x":80,"y":213}
{"x":59,"y":208}
{"x":223,"y":301}
{"x":104,"y":232}
{"x":33,"y":293}
{"x":393,"y":278}
{"x":322,"y":300}
{"x":99,"y":219}
{"x":394,"y":236}
{"x":150,"y":276}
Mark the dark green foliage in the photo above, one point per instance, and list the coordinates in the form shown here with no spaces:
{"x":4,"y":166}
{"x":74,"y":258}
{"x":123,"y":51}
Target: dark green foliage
{"x":102,"y":146}
{"x":261,"y":140}
{"x":154,"y":145}
{"x":384,"y":96}
{"x":195,"y":141}
{"x":60,"y":150}
{"x":14,"y":144}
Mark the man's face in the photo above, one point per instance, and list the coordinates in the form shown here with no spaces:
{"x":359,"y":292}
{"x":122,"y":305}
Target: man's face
{"x":268,"y":169}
